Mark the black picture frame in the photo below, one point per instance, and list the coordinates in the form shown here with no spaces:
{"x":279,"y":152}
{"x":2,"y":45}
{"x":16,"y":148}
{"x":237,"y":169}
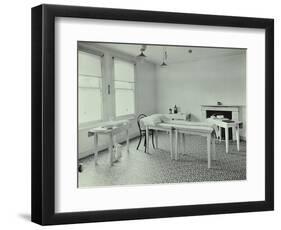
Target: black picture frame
{"x":43,"y":114}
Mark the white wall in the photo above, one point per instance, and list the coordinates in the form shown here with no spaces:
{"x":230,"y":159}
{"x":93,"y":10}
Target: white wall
{"x":145,"y":102}
{"x":205,"y":82}
{"x":146,"y":88}
{"x":15,"y":118}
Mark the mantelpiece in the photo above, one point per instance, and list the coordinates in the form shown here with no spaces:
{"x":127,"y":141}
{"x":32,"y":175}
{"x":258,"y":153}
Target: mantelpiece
{"x":233,"y":109}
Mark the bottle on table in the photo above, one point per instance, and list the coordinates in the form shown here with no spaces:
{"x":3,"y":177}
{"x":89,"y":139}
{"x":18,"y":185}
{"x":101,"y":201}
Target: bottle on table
{"x":175,"y":109}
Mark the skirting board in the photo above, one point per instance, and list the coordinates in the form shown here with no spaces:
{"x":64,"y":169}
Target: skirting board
{"x":104,"y":147}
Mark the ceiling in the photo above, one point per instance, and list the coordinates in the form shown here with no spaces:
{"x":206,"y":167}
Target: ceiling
{"x":176,"y":54}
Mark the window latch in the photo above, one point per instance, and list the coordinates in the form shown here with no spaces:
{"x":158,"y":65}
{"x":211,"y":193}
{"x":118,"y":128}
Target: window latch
{"x":108,"y":89}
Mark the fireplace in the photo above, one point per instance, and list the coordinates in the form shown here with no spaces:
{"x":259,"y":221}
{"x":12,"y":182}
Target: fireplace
{"x":225,"y":114}
{"x":228,"y":111}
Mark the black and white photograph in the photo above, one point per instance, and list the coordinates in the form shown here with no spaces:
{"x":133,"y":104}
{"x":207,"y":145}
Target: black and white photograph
{"x":140,"y":115}
{"x":160,"y":114}
{"x":146,"y":114}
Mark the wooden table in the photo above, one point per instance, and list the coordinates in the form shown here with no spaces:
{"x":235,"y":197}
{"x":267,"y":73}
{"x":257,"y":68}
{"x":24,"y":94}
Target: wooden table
{"x":226,"y":125}
{"x":157,"y":128}
{"x":111,"y":130}
{"x":210,"y":137}
{"x":177,"y":130}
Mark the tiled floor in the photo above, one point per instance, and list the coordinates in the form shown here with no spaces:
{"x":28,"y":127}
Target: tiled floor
{"x":138,"y":167}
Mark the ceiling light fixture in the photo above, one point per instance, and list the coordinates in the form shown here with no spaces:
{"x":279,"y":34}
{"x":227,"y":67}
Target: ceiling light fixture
{"x":165,"y":57}
{"x":142,"y":56}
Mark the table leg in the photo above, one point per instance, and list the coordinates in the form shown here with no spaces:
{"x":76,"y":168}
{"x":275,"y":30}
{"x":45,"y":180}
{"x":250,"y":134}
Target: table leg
{"x":209,"y":150}
{"x":171,"y":144}
{"x":214,"y":148}
{"x":183,"y":143}
{"x":220,"y":134}
{"x":176,"y":145}
{"x":156,"y":138}
{"x":226,"y":139}
{"x":128,"y":141}
{"x":110,"y":149}
{"x":96,"y":152}
{"x":147,"y":139}
{"x":237,"y":138}
{"x":114,"y":153}
{"x":179,"y":143}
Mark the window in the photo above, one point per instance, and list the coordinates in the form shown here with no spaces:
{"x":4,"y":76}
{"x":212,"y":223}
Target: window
{"x":94,"y":103}
{"x":124,"y":83}
{"x":90,"y":87}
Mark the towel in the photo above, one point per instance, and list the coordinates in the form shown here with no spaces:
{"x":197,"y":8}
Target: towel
{"x":162,"y":120}
{"x":192,"y":124}
{"x":153,"y":120}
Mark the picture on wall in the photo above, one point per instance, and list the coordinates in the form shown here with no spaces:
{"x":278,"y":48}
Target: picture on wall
{"x":147,"y":114}
{"x":159,"y":114}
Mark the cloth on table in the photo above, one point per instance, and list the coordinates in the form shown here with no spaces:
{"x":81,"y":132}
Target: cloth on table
{"x":162,"y":120}
{"x":153,"y":119}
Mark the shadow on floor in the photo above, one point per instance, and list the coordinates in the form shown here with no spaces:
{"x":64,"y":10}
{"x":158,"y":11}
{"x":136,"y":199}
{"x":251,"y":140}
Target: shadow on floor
{"x":25,"y":216}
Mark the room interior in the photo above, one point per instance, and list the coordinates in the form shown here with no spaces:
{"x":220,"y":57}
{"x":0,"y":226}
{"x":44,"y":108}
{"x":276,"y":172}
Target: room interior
{"x":195,"y":82}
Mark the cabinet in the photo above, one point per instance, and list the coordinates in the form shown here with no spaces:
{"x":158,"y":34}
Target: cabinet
{"x":179,"y":116}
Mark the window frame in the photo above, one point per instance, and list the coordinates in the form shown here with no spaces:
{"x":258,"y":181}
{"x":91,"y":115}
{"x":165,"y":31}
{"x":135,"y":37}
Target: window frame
{"x":126,"y":116}
{"x":81,"y":48}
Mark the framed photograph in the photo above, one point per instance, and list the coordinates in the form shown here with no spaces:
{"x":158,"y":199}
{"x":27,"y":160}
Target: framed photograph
{"x":143,"y":114}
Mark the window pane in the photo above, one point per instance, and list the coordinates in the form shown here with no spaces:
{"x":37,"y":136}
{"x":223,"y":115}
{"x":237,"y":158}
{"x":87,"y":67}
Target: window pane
{"x":124,"y":85}
{"x":89,"y":64}
{"x":124,"y":71}
{"x":90,"y":104}
{"x":93,"y":82}
{"x":125,"y":102}
{"x":90,"y":97}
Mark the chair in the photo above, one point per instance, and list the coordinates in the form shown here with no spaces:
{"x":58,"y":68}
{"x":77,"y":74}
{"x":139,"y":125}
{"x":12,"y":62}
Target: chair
{"x":143,"y":132}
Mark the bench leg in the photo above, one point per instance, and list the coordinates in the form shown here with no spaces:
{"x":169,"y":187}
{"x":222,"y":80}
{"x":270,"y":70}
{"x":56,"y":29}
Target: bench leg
{"x":238,"y":138}
{"x":176,"y":145}
{"x":209,"y":150}
{"x":183,"y":143}
{"x":127,"y":141}
{"x":214,"y":148}
{"x":110,"y":150}
{"x":96,"y":152}
{"x":147,"y":139}
{"x":220,"y":134}
{"x":156,"y":138}
{"x":226,"y":140}
{"x":171,"y":144}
